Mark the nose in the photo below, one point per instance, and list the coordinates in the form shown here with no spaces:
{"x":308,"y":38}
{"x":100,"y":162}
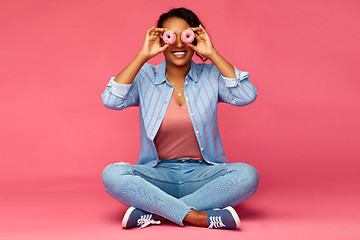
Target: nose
{"x":178,"y":42}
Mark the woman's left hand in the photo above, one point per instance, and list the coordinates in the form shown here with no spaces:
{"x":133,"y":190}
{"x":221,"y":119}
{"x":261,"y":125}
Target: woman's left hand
{"x":204,"y":45}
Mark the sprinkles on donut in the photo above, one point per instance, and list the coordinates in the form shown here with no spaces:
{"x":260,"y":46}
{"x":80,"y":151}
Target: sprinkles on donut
{"x":169,"y":37}
{"x":187,"y":36}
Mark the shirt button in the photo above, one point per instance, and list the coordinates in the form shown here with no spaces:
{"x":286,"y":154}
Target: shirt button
{"x":202,"y":149}
{"x":186,"y":82}
{"x":191,"y":114}
{"x":187,"y":99}
{"x":197,"y":132}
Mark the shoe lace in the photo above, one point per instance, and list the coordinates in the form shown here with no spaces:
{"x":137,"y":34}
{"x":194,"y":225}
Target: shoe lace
{"x":146,"y":220}
{"x":216,"y":222}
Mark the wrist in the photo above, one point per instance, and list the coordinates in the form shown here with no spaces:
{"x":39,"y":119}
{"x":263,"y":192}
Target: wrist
{"x":213,"y":55}
{"x":142,"y":57}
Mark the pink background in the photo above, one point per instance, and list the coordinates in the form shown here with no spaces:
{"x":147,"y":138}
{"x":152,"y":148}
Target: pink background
{"x":302,"y":132}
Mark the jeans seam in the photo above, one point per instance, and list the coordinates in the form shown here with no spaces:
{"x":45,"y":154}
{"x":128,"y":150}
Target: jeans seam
{"x":150,"y":177}
{"x":180,"y":181}
{"x":207,"y":177}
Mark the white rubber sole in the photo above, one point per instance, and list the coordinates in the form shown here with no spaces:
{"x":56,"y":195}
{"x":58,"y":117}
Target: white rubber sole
{"x":234,"y":215}
{"x":126,"y":216}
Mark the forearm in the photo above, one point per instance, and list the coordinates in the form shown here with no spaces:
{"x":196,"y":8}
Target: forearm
{"x":225,"y":68}
{"x":127,"y":75}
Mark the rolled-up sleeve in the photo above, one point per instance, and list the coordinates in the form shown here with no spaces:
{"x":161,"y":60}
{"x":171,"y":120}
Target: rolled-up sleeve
{"x":237,"y":91}
{"x":120,"y":96}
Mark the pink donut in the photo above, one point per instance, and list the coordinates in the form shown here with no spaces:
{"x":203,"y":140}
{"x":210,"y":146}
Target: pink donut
{"x":187,"y":36}
{"x":169,"y":37}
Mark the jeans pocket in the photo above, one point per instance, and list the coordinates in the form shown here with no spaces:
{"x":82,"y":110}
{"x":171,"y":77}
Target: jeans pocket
{"x":206,"y":174}
{"x":153,"y":177}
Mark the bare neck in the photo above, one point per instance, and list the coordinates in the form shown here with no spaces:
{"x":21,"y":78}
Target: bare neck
{"x":177,"y":74}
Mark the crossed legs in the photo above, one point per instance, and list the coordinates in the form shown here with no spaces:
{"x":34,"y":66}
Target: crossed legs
{"x":180,"y":191}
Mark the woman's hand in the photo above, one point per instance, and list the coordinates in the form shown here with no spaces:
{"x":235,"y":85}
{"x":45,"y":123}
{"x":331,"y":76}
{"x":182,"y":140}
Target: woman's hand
{"x":152,"y":46}
{"x":204,"y":45}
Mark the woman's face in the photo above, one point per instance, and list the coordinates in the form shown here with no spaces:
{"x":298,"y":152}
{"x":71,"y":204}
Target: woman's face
{"x":184,"y":53}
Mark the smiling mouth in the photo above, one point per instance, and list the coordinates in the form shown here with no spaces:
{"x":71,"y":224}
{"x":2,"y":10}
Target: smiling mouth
{"x":179,"y":53}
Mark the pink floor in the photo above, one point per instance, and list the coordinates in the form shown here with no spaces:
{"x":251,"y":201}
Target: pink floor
{"x":79,"y":208}
{"x":301,"y":133}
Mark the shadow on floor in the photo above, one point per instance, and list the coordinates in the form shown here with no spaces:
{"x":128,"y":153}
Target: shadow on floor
{"x":116,"y":215}
{"x":245,"y":212}
{"x":249,"y":212}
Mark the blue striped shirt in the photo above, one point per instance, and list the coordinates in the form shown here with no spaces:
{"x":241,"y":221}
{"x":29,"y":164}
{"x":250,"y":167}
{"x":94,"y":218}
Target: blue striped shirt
{"x":204,"y":88}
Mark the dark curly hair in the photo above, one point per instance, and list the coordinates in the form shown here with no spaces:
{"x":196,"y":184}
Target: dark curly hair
{"x":185,"y":14}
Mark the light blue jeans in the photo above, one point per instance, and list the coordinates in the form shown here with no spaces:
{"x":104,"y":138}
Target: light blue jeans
{"x":173,"y":187}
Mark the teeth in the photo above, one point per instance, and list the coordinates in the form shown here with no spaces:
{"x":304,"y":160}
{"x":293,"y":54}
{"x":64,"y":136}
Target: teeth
{"x":179,"y":53}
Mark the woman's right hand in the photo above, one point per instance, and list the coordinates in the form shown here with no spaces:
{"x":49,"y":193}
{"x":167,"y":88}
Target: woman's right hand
{"x":152,"y":45}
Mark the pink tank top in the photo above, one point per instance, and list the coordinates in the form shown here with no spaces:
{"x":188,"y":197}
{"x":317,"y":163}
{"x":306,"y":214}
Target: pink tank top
{"x":176,"y":137}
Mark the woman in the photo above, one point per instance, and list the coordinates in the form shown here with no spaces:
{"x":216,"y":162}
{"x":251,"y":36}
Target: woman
{"x":182,"y":174}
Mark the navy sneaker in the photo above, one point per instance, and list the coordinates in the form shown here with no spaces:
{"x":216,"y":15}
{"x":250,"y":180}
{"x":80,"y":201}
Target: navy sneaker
{"x":135,"y":217}
{"x":223,"y":218}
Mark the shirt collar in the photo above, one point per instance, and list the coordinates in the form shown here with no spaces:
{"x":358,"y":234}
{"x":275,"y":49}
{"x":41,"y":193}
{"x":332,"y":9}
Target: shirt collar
{"x":161,"y":77}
